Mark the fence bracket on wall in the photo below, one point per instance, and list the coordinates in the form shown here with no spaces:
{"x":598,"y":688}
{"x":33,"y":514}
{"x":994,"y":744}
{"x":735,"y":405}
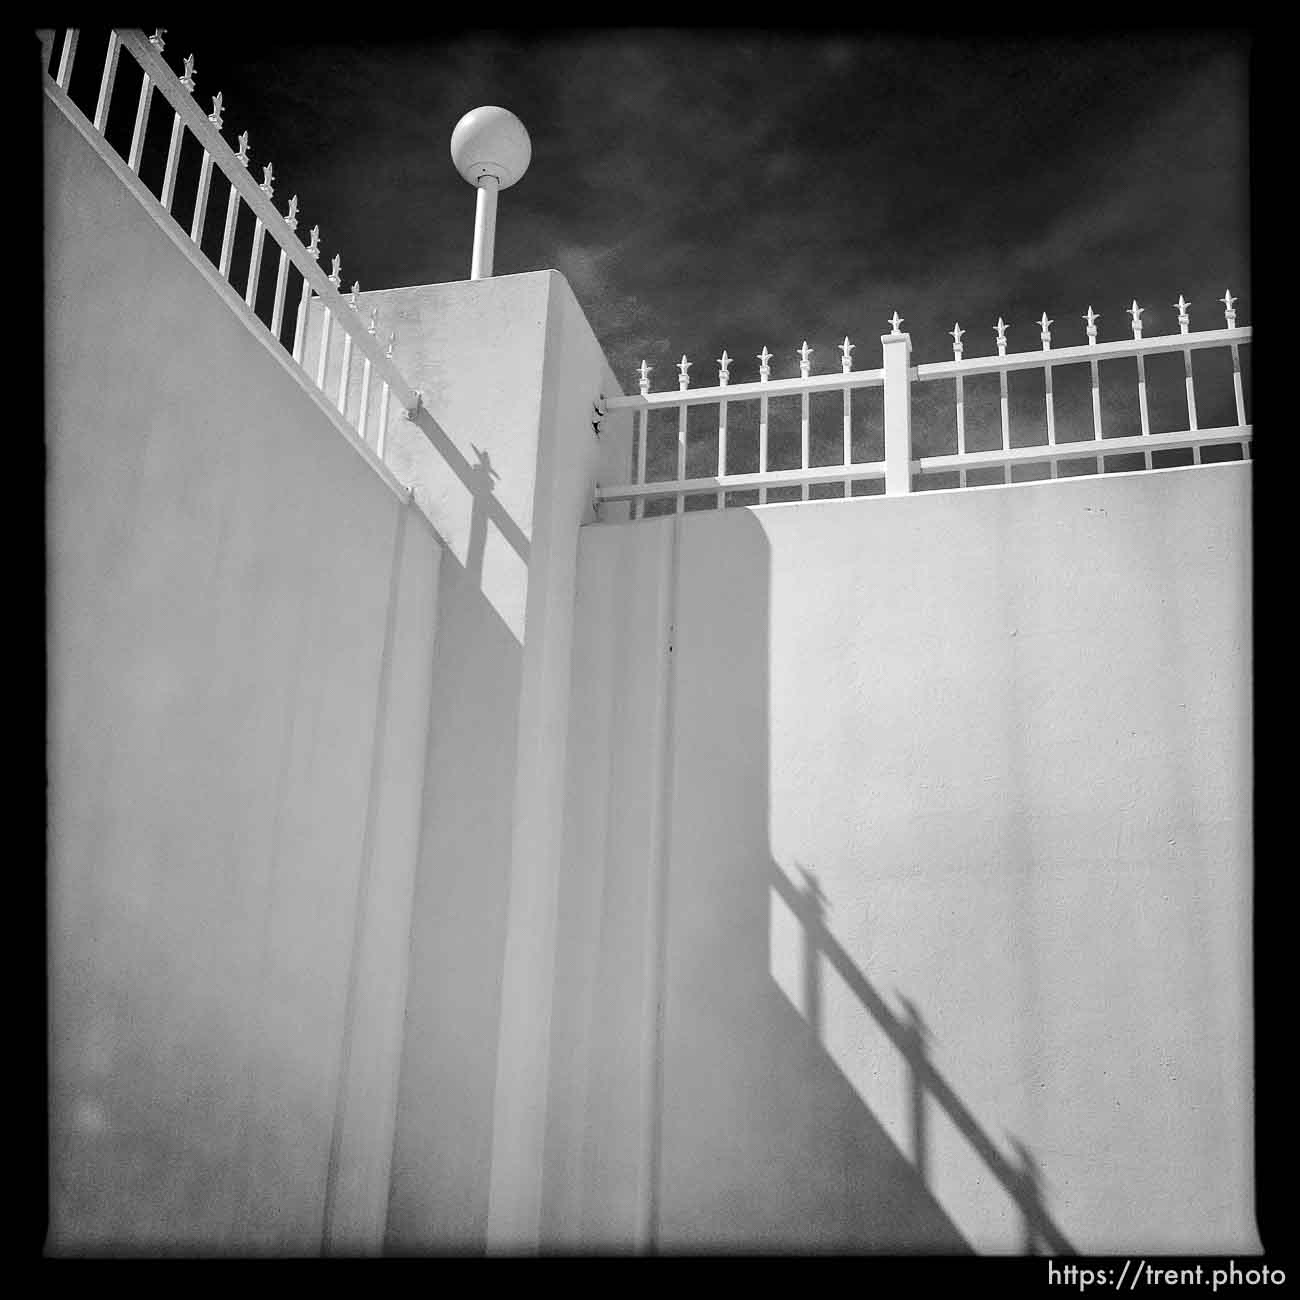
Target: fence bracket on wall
{"x":598,"y":413}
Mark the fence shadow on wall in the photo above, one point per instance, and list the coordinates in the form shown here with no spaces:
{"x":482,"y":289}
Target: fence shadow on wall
{"x":764,"y":1143}
{"x":910,"y":1037}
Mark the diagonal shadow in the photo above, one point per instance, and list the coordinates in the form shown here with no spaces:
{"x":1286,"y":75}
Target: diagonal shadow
{"x":478,"y":477}
{"x":910,"y":1037}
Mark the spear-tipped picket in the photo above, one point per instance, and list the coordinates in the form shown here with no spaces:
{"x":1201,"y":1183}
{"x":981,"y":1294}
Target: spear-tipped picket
{"x":683,"y":380}
{"x":336,"y":266}
{"x":345,"y":367}
{"x":1184,"y":324}
{"x":373,"y":324}
{"x":1136,"y":312}
{"x":846,"y":358}
{"x":1004,"y":405}
{"x":1230,"y":315}
{"x":156,"y":40}
{"x":142,"y":110}
{"x":1045,"y":333}
{"x":300,"y":327}
{"x":895,"y":321}
{"x":385,"y":393}
{"x":1092,"y":318}
{"x":282,"y":274}
{"x":764,"y":374}
{"x":174,"y":147}
{"x":259,"y":233}
{"x":804,"y":354}
{"x":643,"y":373}
{"x":956,"y":333}
{"x":205,"y":177}
{"x":724,"y":378}
{"x":232,"y":211}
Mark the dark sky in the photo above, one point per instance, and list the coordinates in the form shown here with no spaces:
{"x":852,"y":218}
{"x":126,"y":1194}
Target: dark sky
{"x":709,"y":189}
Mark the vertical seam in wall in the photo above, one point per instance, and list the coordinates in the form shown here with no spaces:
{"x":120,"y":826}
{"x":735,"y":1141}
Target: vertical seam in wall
{"x":364,"y":869}
{"x":422,"y":833}
{"x":241,"y":1210}
{"x":616,"y":729}
{"x":657,"y":929}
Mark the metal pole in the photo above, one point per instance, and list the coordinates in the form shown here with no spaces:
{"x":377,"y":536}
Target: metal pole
{"x":485,"y":228}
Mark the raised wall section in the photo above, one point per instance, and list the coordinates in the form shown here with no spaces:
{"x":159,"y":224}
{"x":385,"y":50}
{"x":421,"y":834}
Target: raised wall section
{"x":910,"y":861}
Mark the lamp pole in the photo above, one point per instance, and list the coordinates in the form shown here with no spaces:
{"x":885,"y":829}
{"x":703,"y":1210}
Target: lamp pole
{"x":491,"y":150}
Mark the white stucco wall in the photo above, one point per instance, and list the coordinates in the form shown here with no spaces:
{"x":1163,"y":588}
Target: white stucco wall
{"x":504,"y":460}
{"x":241,"y":629}
{"x":1006,"y":731}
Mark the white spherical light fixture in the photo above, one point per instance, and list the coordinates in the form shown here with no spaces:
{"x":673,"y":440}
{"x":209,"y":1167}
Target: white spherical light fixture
{"x":491,"y":150}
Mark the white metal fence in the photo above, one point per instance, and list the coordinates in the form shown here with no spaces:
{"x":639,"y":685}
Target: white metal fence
{"x":367,"y":377}
{"x":899,"y":466}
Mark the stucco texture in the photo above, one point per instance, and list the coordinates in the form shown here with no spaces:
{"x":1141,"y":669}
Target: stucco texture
{"x":241,"y":620}
{"x":954,"y":866}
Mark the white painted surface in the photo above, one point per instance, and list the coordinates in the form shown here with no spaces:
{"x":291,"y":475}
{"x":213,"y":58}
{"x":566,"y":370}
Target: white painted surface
{"x":508,"y":367}
{"x":1007,"y":731}
{"x":241,"y":631}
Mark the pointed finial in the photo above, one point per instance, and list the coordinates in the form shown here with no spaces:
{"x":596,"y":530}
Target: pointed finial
{"x":1136,"y":312}
{"x":268,"y":174}
{"x":1002,"y":337}
{"x":956,"y":333}
{"x":1092,"y":318}
{"x":724,"y":369}
{"x":291,"y":219}
{"x":335,"y":267}
{"x":764,"y":365}
{"x":682,"y":367}
{"x":644,"y":372}
{"x":156,"y":40}
{"x":373,"y":323}
{"x":242,"y":155}
{"x":804,"y":353}
{"x":1045,"y":332}
{"x":846,"y":361}
{"x":1227,"y":300}
{"x":215,"y":116}
{"x":188,"y":79}
{"x":392,"y":338}
{"x":1183,"y":319}
{"x":313,"y":248}
{"x":352,"y":297}
{"x":896,"y":320}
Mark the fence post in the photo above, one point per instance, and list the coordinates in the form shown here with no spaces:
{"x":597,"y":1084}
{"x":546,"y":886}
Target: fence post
{"x":897,"y":350}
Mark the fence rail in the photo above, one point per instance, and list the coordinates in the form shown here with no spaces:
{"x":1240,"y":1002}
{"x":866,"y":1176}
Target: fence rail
{"x":896,"y":378}
{"x":378,"y":374}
